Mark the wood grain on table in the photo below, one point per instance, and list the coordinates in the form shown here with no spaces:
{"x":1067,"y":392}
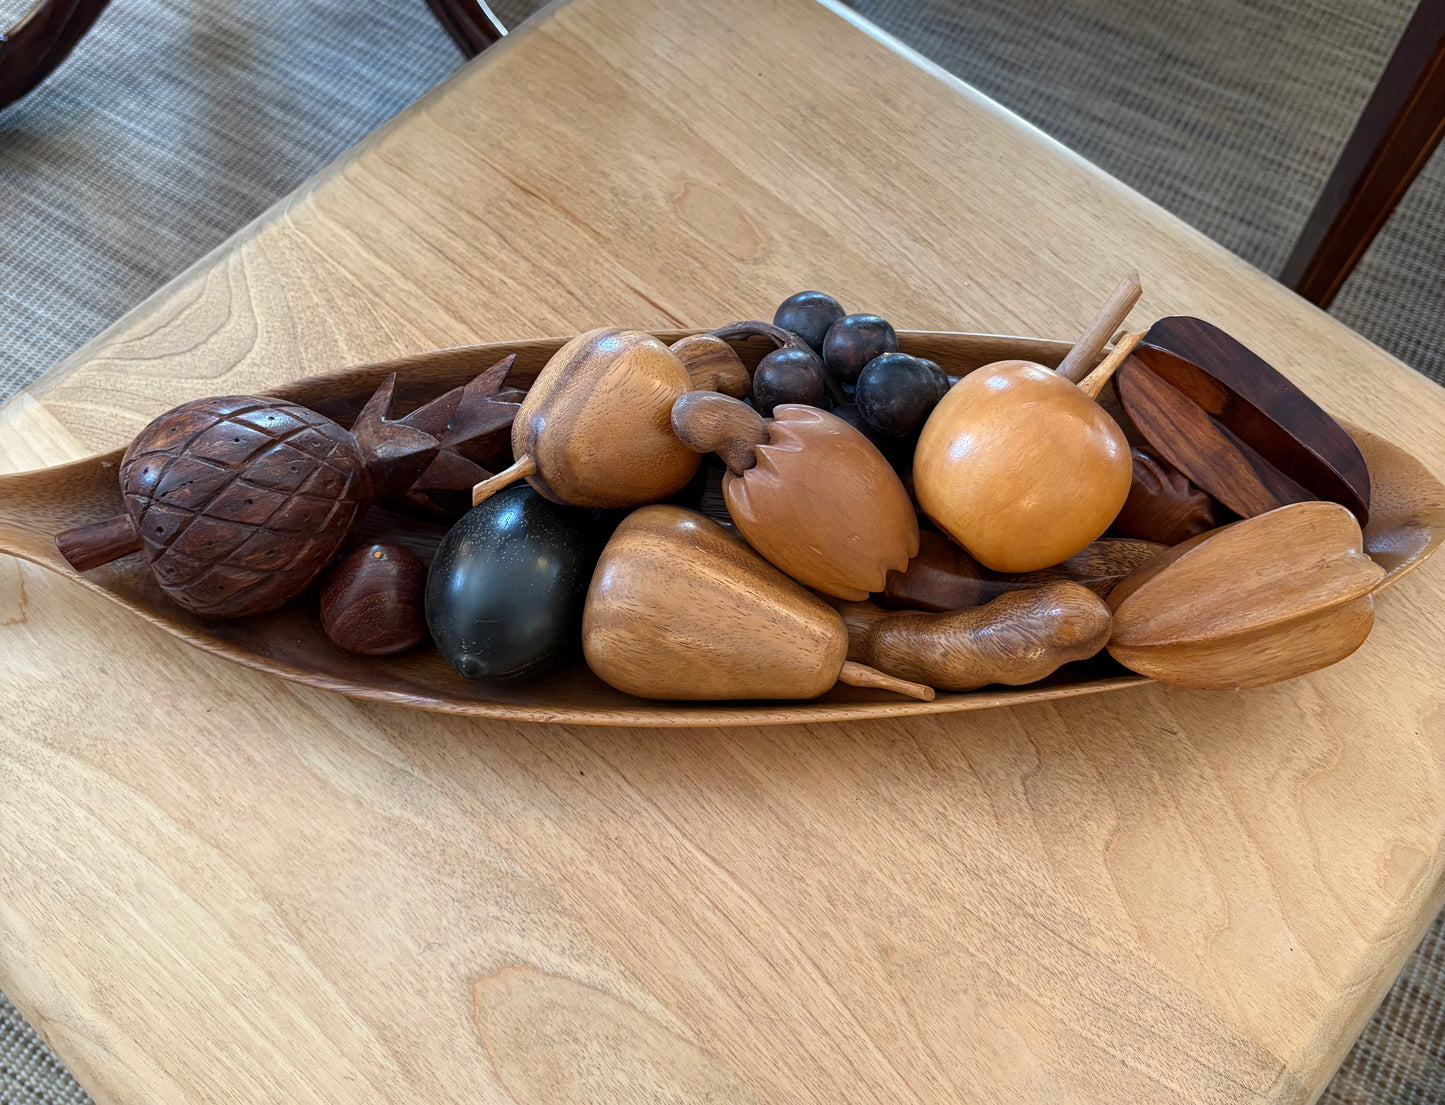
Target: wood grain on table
{"x":217,"y":887}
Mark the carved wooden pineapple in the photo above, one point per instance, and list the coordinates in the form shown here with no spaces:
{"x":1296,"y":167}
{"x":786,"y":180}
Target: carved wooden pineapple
{"x":239,"y":501}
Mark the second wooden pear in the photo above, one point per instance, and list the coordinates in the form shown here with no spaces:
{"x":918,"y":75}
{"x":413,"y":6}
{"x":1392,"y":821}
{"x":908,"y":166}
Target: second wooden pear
{"x":595,"y":428}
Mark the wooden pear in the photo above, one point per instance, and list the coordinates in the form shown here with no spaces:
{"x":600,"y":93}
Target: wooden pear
{"x":807,"y":490}
{"x":595,"y":429}
{"x":1019,"y":464}
{"x":679,"y":608}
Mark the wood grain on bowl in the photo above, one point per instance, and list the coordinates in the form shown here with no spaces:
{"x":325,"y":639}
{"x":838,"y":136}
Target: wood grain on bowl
{"x":1406,"y":525}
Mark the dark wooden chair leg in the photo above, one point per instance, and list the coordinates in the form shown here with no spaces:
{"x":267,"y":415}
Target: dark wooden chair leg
{"x":471,"y":23}
{"x":1396,"y":133}
{"x":46,"y":33}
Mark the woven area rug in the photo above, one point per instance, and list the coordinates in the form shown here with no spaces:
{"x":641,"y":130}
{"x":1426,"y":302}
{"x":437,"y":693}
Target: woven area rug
{"x":177,"y":121}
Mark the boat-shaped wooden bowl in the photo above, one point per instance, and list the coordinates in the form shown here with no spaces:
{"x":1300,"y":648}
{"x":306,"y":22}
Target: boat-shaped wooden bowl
{"x":1407,"y":524}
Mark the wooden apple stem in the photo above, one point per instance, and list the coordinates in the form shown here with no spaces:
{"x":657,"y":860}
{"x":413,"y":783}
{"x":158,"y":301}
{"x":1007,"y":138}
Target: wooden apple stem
{"x":712,"y":365}
{"x":707,"y":422}
{"x":860,"y":675}
{"x":87,"y":547}
{"x":753,"y":328}
{"x":1092,"y":384}
{"x":1076,"y":364}
{"x":523,"y":467}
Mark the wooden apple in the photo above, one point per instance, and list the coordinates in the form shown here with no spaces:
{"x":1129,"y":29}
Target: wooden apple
{"x":1020,"y":465}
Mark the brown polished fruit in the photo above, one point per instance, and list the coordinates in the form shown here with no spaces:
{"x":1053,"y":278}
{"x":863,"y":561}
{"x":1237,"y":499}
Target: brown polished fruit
{"x":372,"y":603}
{"x":807,"y":490}
{"x":1019,"y":637}
{"x":680,"y":608}
{"x":1252,"y":603}
{"x":1020,"y":466}
{"x":595,"y":428}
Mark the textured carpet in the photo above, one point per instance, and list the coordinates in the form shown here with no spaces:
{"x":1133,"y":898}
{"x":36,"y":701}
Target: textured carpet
{"x":177,"y":121}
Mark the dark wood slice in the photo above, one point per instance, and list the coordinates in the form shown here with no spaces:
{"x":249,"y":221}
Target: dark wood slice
{"x":1245,"y":396}
{"x":1202,"y":447}
{"x":943,"y":577}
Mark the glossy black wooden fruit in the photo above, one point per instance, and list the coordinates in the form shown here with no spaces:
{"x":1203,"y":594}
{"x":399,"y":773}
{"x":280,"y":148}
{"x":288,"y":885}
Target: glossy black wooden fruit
{"x":852,"y":342}
{"x":505,"y":592}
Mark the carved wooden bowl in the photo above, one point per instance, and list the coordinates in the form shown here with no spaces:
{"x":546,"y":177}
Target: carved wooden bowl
{"x":1407,"y":524}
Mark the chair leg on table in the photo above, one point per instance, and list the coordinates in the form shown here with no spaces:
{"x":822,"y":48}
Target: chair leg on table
{"x":1396,"y":133}
{"x":471,"y":23}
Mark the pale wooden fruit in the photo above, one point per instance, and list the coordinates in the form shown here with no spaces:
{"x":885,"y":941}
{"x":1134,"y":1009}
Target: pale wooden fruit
{"x":1020,"y":637}
{"x":1020,"y":466}
{"x":1255,"y":602}
{"x":679,"y":608}
{"x":595,"y":428}
{"x":823,"y":505}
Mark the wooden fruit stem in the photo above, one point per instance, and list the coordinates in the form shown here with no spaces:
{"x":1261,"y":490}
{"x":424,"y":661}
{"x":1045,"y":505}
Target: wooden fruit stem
{"x":1092,"y":384}
{"x":520,"y":469}
{"x":711,"y":423}
{"x":1080,"y":359}
{"x":87,"y":547}
{"x":860,"y":675}
{"x":752,"y":328}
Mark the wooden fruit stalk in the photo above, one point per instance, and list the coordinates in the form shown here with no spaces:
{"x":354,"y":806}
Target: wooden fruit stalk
{"x":1234,"y":425}
{"x":1019,"y":637}
{"x":1019,"y":464}
{"x":1252,"y":603}
{"x":595,"y":427}
{"x":680,"y":608}
{"x":944,"y":577}
{"x":807,"y":490}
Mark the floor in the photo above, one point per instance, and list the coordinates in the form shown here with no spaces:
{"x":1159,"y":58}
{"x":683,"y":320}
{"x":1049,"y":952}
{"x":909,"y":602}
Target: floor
{"x":1227,"y":112}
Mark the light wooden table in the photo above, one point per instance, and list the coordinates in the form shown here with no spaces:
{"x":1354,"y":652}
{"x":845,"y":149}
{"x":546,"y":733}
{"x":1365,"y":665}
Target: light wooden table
{"x":216,"y":887}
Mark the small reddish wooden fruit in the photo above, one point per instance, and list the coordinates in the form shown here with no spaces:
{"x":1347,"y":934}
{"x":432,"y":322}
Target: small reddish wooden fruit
{"x":372,"y":603}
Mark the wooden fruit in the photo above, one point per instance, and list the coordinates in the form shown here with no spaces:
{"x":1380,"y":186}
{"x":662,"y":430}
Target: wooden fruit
{"x":1265,"y":599}
{"x":595,"y":429}
{"x":1162,"y":505}
{"x":372,"y":601}
{"x":807,"y":490}
{"x":1019,"y":637}
{"x":1235,"y":426}
{"x":472,"y":444}
{"x":1019,"y":465}
{"x":679,"y":608}
{"x":944,"y":577}
{"x":239,"y":501}
{"x":505,"y":591}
